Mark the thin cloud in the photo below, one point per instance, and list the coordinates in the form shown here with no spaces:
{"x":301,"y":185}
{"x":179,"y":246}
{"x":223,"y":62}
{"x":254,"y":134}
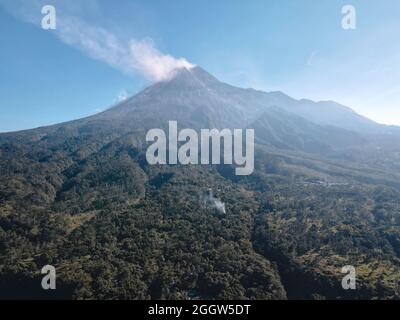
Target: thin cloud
{"x":312,"y":58}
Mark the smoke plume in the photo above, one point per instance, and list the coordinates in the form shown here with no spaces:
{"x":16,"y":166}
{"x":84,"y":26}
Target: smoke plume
{"x":131,"y":56}
{"x":208,"y":201}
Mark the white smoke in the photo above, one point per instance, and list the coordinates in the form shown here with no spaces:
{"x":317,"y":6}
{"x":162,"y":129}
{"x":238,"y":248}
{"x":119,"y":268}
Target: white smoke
{"x":208,"y":201}
{"x":122,"y":96}
{"x":129,"y":56}
{"x":152,"y":63}
{"x":132,"y":57}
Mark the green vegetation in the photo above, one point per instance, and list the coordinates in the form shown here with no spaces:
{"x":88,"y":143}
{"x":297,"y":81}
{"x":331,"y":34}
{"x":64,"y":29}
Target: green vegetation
{"x":116,"y":228}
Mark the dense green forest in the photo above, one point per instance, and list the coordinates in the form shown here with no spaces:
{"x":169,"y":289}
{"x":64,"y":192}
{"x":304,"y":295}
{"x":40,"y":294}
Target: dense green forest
{"x":80,"y":196}
{"x":117,"y":228}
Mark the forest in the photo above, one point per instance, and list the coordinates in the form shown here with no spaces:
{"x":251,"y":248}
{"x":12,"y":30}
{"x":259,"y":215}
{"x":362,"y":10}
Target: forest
{"x":115,"y":227}
{"x":82,"y":197}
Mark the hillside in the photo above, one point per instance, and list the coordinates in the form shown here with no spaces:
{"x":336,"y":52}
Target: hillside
{"x":81,"y":196}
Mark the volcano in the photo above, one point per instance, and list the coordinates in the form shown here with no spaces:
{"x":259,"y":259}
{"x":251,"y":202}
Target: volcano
{"x":196,"y":99}
{"x":81,"y":196}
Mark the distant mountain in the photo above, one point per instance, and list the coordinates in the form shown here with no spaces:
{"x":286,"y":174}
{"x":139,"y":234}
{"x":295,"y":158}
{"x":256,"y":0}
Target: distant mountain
{"x":196,"y":99}
{"x":199,"y":96}
{"x":324,"y":194}
{"x":284,"y":130}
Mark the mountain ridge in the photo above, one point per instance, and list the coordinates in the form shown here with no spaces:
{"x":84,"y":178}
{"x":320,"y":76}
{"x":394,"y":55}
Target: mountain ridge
{"x":320,"y":112}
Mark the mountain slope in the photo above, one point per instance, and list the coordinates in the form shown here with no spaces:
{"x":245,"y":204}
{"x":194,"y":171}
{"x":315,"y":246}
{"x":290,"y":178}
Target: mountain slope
{"x":81,"y":196}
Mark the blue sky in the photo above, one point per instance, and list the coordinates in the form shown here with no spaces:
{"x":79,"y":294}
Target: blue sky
{"x":295,"y":46}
